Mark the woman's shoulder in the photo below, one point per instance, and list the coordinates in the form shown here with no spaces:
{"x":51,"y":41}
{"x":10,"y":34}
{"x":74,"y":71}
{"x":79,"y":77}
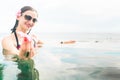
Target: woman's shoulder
{"x":7,"y":38}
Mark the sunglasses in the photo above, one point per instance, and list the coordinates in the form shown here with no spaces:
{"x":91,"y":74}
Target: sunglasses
{"x":28,"y":17}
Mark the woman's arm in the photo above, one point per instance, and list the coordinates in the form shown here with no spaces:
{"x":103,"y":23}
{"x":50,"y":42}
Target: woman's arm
{"x":38,"y":43}
{"x":8,"y":46}
{"x":26,"y":49}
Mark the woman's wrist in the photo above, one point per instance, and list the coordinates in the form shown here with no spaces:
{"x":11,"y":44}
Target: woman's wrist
{"x":24,"y":54}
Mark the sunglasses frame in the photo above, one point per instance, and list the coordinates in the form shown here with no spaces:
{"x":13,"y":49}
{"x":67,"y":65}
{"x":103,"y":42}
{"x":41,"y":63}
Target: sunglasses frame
{"x":28,"y":17}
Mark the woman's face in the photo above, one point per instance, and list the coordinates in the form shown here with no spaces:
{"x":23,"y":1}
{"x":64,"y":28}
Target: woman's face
{"x":27,"y":20}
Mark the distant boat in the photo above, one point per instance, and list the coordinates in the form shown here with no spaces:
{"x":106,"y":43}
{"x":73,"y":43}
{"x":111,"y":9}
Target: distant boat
{"x":68,"y":42}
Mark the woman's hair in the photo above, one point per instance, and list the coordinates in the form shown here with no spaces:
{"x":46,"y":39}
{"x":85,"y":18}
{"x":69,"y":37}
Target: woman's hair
{"x":22,"y":10}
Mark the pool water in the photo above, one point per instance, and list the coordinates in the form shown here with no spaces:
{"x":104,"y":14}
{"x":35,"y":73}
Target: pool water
{"x":70,"y":63}
{"x":75,"y":63}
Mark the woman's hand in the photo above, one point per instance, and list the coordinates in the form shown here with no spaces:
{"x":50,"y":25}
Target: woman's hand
{"x":26,"y":49}
{"x":39,"y":44}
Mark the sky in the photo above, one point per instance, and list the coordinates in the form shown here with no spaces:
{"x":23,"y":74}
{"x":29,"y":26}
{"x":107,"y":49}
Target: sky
{"x":66,"y":15}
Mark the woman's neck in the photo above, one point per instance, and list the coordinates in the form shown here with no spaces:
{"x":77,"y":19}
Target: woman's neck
{"x":21,"y":30}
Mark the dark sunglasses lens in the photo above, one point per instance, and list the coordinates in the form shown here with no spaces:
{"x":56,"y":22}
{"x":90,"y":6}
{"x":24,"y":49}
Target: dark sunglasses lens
{"x":28,"y":17}
{"x":34,"y":20}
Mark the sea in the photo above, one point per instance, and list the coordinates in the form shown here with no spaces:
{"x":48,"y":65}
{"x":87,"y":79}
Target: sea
{"x":93,"y":56}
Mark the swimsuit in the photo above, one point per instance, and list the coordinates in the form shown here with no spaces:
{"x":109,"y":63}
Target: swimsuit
{"x":18,"y":45}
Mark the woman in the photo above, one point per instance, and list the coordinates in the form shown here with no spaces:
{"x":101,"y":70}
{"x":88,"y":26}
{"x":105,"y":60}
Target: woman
{"x":20,"y":46}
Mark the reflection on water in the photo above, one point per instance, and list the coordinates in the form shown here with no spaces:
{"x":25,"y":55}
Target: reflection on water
{"x":20,"y":70}
{"x":66,"y":63}
{"x":28,"y":72}
{"x":93,"y":73}
{"x":9,"y":70}
{"x":1,"y":71}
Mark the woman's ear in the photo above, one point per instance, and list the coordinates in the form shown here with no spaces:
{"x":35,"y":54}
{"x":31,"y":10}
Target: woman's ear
{"x":17,"y":17}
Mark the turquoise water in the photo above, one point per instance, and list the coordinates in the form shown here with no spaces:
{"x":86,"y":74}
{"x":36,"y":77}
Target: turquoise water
{"x":84,"y":60}
{"x":70,"y":63}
